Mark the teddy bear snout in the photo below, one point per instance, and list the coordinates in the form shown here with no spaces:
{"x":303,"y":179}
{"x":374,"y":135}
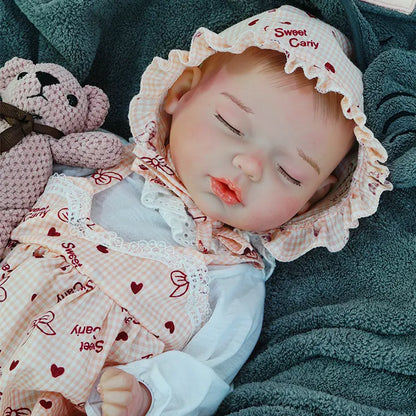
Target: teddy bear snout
{"x":45,"y":79}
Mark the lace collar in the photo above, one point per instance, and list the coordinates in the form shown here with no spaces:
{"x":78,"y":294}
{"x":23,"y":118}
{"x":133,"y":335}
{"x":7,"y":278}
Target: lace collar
{"x":163,"y":190}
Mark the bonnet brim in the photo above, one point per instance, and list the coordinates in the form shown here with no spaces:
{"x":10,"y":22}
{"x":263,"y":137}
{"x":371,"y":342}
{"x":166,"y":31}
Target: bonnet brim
{"x":361,"y":175}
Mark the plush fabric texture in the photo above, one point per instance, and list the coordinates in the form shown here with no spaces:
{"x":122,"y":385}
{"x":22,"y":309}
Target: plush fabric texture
{"x":339,"y":330}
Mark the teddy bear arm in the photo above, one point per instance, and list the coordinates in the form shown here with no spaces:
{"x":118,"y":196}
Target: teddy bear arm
{"x":88,"y":149}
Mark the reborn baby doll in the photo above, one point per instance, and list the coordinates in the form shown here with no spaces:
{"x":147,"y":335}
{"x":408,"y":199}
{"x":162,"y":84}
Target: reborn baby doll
{"x":158,"y":265}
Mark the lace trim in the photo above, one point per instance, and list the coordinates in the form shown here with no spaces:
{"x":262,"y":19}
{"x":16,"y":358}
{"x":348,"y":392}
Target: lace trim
{"x":79,"y":204}
{"x":172,"y":210}
{"x":268,"y":260}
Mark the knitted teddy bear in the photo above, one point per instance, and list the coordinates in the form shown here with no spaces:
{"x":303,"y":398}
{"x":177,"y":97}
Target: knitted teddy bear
{"x":45,"y":117}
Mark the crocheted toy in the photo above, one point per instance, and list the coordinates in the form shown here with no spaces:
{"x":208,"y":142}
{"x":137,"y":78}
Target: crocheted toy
{"x":45,"y":117}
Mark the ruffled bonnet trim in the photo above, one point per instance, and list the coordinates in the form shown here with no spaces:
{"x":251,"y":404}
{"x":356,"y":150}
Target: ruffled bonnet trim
{"x":321,"y":51}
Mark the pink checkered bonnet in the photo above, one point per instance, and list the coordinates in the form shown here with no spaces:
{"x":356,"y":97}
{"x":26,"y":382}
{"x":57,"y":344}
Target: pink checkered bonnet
{"x":321,"y":51}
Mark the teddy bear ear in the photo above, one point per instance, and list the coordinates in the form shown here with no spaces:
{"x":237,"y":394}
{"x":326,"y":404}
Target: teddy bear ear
{"x":98,"y":105}
{"x":10,"y":69}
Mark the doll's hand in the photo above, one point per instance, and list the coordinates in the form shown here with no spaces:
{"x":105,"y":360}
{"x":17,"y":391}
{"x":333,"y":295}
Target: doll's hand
{"x":122,"y":394}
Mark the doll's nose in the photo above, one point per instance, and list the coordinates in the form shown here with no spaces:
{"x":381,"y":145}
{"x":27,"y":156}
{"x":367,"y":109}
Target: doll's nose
{"x":250,"y":164}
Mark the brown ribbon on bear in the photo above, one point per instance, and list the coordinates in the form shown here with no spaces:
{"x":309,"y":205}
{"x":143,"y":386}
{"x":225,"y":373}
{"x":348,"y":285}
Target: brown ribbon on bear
{"x":21,"y":124}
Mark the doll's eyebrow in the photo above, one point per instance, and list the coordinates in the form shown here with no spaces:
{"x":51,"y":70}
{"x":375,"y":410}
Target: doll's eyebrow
{"x":309,"y":160}
{"x":235,"y":100}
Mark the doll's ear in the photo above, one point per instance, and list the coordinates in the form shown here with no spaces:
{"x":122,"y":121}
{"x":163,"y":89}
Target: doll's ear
{"x":188,"y":80}
{"x":320,"y":193}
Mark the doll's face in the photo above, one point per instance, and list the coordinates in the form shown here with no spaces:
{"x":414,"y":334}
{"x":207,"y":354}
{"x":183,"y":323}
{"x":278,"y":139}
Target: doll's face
{"x":252,"y":154}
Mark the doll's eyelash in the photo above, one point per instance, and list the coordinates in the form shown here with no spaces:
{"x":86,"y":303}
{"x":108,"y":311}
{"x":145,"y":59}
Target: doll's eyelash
{"x":288,"y":177}
{"x":228,"y":125}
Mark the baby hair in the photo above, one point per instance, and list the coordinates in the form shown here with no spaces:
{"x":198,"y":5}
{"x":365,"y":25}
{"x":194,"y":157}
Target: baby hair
{"x":273,"y":62}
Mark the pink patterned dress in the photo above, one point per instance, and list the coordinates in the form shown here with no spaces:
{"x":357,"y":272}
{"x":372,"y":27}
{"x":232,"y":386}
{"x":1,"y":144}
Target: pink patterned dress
{"x":75,"y":298}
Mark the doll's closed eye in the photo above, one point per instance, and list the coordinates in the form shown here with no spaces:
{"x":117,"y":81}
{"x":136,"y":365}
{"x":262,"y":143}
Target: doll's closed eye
{"x":228,"y":125}
{"x":288,"y":177}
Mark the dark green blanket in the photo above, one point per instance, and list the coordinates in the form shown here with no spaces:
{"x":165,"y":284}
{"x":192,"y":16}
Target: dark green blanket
{"x":339,"y":335}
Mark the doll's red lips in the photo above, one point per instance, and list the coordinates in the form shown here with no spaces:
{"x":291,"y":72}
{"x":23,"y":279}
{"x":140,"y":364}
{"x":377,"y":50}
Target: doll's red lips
{"x":226,"y":190}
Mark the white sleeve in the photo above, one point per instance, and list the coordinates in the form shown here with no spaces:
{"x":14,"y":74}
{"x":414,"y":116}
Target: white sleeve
{"x":195,"y":381}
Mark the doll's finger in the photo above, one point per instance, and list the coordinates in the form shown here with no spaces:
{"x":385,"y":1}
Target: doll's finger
{"x":121,"y":381}
{"x":117,"y":398}
{"x":109,"y":409}
{"x":110,"y":373}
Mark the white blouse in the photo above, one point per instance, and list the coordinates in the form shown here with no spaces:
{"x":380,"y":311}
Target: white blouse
{"x":193,"y":381}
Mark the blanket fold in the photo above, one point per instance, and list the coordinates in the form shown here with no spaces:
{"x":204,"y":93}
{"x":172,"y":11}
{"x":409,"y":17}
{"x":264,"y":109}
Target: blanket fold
{"x":339,"y":334}
{"x":391,"y":108}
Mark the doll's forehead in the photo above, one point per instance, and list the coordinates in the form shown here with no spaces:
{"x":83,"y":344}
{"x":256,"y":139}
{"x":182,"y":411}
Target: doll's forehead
{"x":225,"y":68}
{"x":304,"y":101}
{"x":257,"y":62}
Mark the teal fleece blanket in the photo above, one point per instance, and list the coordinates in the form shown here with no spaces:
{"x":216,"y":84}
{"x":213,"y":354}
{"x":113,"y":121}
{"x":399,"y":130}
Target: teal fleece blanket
{"x":339,"y":334}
